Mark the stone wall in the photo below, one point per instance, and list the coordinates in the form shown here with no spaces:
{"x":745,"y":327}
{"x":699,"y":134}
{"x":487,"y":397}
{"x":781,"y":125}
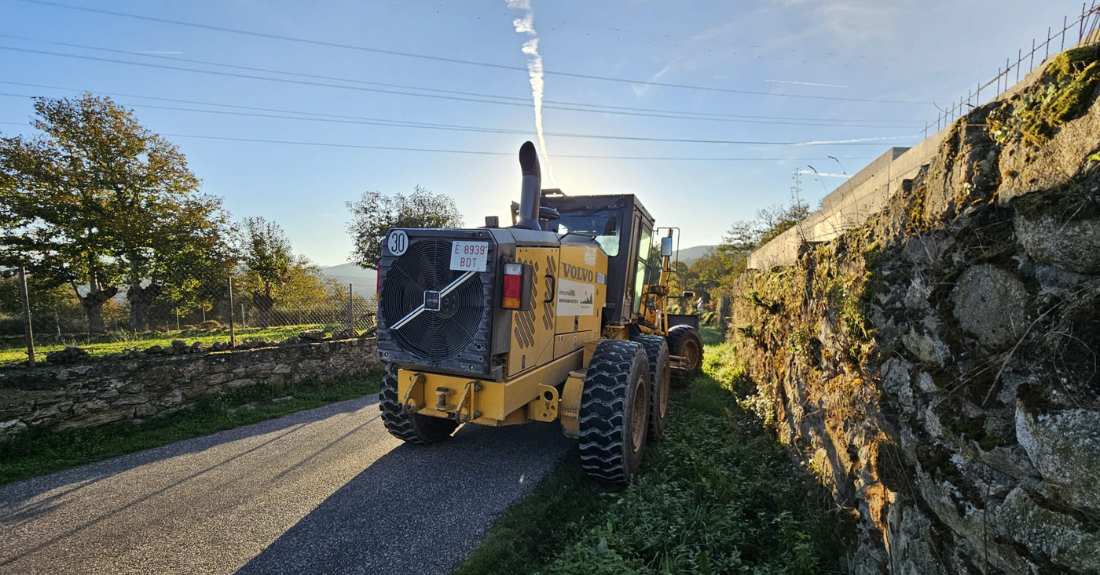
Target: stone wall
{"x":108,"y":391}
{"x":939,"y":366}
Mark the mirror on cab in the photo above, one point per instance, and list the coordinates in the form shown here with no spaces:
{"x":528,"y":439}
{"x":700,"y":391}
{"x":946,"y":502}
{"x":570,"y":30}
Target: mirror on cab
{"x":666,"y":247}
{"x":689,"y":294}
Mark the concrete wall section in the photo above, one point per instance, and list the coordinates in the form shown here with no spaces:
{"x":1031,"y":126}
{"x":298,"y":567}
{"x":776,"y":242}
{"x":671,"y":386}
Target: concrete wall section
{"x":851,"y":204}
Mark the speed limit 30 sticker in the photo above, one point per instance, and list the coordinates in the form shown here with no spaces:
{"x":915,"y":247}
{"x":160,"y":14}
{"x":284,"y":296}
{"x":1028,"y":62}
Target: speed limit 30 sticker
{"x":469,"y":256}
{"x":398,"y":242}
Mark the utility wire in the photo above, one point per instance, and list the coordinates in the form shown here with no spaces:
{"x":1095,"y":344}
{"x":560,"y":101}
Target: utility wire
{"x":462,"y":128}
{"x":488,"y":153}
{"x":453,"y":60}
{"x":526,"y":100}
{"x":478,"y":152}
{"x":340,"y":119}
{"x":384,"y":91}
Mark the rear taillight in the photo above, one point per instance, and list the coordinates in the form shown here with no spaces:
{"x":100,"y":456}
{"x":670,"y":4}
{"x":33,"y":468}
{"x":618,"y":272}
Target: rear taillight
{"x":378,"y":283}
{"x":513,"y":286}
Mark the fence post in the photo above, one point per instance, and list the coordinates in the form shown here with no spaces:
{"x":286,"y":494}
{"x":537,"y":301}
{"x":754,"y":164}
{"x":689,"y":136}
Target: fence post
{"x":177,"y":318}
{"x":28,"y":332}
{"x":244,"y":323}
{"x":351,"y":311}
{"x":231,"y":338}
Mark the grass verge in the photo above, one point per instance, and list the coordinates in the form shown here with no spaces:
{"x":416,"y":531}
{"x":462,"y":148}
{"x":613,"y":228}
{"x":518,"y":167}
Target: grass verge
{"x":41,"y":451}
{"x":99,"y":346}
{"x":718,"y":494}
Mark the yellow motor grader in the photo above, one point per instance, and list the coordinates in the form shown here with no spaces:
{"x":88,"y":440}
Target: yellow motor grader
{"x":561,"y":316}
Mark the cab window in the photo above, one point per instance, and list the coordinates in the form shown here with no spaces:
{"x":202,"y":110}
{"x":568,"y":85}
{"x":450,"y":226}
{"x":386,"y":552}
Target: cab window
{"x":604,"y":226}
{"x":645,"y":242}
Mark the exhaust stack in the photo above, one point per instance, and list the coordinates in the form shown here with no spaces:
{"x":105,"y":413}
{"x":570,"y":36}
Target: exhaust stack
{"x":531,"y":193}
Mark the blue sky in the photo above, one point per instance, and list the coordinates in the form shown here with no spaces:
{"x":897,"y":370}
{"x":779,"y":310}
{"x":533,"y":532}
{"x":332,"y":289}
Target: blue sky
{"x":895,"y":56}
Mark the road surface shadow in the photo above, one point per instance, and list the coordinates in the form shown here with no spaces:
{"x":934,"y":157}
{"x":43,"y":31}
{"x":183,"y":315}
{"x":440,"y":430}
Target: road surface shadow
{"x":417,"y":509}
{"x":20,"y":501}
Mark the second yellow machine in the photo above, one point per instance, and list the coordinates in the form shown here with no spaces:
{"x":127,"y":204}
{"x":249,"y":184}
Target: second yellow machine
{"x":561,"y":316}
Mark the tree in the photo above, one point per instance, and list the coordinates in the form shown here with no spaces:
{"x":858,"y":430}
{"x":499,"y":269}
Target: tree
{"x":267,"y":256}
{"x":375,"y":214}
{"x":99,"y":201}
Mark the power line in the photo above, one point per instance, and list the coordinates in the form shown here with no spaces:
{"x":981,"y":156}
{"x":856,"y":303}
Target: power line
{"x":488,"y":153}
{"x":526,"y":100}
{"x":394,"y":92}
{"x":461,"y":128}
{"x":454,"y":60}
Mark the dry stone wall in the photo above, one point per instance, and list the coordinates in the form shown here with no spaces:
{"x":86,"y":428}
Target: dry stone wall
{"x":109,"y":391}
{"x":939,"y":367}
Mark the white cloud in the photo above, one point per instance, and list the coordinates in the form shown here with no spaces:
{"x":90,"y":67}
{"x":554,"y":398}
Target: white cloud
{"x":823,"y":174}
{"x":796,"y":83}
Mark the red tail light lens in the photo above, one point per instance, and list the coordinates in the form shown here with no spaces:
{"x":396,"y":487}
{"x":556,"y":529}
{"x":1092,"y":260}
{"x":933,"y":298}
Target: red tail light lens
{"x":513,"y":286}
{"x":378,"y":283}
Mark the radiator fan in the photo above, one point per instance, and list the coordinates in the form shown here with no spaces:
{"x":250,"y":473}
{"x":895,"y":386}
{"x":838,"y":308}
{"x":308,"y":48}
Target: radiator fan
{"x":434,"y":335}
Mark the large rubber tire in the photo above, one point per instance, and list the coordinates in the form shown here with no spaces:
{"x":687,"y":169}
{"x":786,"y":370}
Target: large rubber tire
{"x":614,"y":411}
{"x":409,"y":427}
{"x":685,"y":342}
{"x":656,"y":353}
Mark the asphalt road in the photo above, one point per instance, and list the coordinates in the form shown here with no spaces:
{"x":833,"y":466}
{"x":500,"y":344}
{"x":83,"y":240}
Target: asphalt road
{"x":319,"y":491}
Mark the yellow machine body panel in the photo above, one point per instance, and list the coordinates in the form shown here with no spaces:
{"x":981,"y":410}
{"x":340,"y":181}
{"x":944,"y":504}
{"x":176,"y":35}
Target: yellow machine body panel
{"x":581,"y":293}
{"x":533,"y":395}
{"x":533,"y":329}
{"x":582,"y":288}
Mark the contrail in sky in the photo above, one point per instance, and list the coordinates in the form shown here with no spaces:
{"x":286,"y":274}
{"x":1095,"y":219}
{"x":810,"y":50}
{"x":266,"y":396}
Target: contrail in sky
{"x":526,"y":25}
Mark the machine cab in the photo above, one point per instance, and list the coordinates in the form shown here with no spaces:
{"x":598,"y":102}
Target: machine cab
{"x":624,"y":230}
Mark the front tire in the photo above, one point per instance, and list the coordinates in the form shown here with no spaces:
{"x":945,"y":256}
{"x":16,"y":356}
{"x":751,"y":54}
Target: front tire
{"x":684,"y":341}
{"x":409,"y":427}
{"x":614,"y":411}
{"x":656,"y":352}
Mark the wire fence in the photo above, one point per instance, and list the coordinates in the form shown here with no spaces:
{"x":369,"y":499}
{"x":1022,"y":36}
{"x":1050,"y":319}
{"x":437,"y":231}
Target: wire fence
{"x":233,"y":309}
{"x":1083,"y":31}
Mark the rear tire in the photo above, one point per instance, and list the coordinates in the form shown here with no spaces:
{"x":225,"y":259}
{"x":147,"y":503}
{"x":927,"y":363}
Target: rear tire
{"x":409,"y":427}
{"x":656,"y":353}
{"x":685,"y":342}
{"x":614,"y":411}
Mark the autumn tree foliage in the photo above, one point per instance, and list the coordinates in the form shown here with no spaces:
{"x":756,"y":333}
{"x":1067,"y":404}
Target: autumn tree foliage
{"x":374,"y":214}
{"x":98,"y":202}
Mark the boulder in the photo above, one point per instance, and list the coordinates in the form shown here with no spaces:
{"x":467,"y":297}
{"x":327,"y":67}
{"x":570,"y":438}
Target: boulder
{"x":345,"y":334}
{"x":1072,"y":245}
{"x":312,"y":335}
{"x":67,"y":356}
{"x":1063,"y":539}
{"x":154,"y":350}
{"x":991,"y":305}
{"x":1064,"y":446}
{"x":179,"y":344}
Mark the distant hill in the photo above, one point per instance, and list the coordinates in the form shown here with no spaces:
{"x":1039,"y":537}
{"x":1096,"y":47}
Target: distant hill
{"x":688,"y":255}
{"x":349,"y":271}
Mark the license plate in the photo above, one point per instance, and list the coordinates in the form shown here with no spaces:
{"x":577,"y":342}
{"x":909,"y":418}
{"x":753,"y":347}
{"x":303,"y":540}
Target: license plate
{"x":469,"y":256}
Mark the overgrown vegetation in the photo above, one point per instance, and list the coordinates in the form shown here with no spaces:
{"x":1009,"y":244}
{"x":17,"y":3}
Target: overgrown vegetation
{"x":718,"y":495}
{"x":1064,"y":92}
{"x":41,"y":451}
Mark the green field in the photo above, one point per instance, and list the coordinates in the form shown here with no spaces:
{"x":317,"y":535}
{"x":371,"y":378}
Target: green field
{"x":120,"y":343}
{"x":718,"y":494}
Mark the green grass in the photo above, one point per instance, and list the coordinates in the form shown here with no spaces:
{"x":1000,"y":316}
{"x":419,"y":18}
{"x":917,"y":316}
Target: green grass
{"x":122,"y":342}
{"x":41,"y":451}
{"x":718,"y":494}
